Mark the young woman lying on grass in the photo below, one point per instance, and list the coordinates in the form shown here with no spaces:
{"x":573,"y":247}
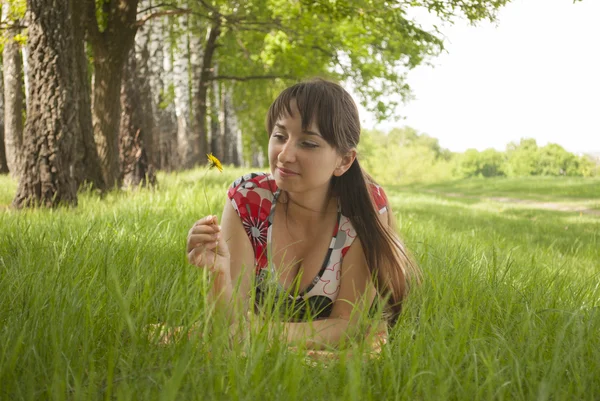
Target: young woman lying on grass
{"x":317,"y":231}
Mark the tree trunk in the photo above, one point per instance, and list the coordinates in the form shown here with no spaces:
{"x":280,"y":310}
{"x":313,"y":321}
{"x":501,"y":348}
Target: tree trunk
{"x":135,"y":167}
{"x":145,"y":107}
{"x":110,"y":49}
{"x":257,"y":156}
{"x":231,"y":132}
{"x":24,"y":58}
{"x":87,"y":161}
{"x":52,"y":122}
{"x":216,"y":139}
{"x":155,"y":78}
{"x":106,"y":114}
{"x":168,"y":116}
{"x":200,"y":96}
{"x":3,"y":165}
{"x":13,"y":101}
{"x":196,"y":56}
{"x":181,"y":70}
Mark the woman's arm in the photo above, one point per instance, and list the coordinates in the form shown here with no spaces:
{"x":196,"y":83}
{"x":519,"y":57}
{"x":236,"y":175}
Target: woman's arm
{"x":231,"y":288}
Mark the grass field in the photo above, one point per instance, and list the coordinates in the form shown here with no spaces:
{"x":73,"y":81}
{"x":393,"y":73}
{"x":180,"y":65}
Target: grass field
{"x":509,"y":307}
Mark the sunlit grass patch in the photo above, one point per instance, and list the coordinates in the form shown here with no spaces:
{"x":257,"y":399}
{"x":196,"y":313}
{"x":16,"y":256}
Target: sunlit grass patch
{"x":509,"y":307}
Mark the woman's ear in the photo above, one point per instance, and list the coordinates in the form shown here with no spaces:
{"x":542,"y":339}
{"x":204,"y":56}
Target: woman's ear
{"x":345,"y":163}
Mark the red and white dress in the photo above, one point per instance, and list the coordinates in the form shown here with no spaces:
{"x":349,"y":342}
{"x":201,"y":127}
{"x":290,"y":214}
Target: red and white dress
{"x":254,"y":197}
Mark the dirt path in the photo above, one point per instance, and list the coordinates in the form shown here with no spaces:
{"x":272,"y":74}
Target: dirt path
{"x":561,"y":207}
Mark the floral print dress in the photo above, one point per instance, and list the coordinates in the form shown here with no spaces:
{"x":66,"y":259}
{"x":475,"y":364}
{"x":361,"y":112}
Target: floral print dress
{"x":254,"y":197}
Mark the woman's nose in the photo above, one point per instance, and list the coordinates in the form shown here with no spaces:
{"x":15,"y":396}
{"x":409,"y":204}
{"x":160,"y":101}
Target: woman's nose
{"x":287,"y":153}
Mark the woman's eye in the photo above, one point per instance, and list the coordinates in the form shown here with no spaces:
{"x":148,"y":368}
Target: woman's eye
{"x":278,"y":136}
{"x":310,"y":145}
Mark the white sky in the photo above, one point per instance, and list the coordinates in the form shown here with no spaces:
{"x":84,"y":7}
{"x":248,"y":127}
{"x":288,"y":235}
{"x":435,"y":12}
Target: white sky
{"x":534,"y":73}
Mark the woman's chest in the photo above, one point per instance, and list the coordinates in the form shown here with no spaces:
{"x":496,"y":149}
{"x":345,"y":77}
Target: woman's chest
{"x":298,"y":254}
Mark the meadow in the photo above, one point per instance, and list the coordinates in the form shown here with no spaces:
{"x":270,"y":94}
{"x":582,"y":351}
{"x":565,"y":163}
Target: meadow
{"x":508,"y":308}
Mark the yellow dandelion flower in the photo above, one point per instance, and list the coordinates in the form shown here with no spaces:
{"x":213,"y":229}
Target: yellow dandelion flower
{"x":214,"y":162}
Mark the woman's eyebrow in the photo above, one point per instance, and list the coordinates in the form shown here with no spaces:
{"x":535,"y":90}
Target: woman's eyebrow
{"x":282,"y":127}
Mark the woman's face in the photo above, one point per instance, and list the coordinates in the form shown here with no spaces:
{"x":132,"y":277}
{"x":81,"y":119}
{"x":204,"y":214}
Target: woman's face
{"x":300,"y":160}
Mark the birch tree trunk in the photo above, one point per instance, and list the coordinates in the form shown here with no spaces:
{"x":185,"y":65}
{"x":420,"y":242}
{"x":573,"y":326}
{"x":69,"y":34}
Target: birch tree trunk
{"x":200,"y":97}
{"x":3,"y":165}
{"x":181,"y":71}
{"x":232,"y":136}
{"x":214,"y":110}
{"x":52,"y":123}
{"x":168,"y":117}
{"x":13,"y":99}
{"x":24,"y":58}
{"x":196,"y":56}
{"x":145,"y":106}
{"x":155,"y":77}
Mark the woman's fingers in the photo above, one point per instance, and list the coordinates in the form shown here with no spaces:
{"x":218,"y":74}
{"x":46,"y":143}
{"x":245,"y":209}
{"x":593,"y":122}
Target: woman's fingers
{"x":201,"y":231}
{"x":198,"y":256}
{"x":211,"y":219}
{"x":204,"y":229}
{"x":204,"y":237}
{"x":195,"y":240}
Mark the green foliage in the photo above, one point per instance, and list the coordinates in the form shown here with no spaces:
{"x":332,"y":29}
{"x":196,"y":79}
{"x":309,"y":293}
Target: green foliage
{"x":526,"y":158}
{"x":167,"y":97}
{"x":472,"y":163}
{"x":403,"y":156}
{"x":523,"y":158}
{"x":368,"y":43}
{"x":406,"y":156}
{"x":15,"y":10}
{"x":13,"y":13}
{"x":589,"y":167}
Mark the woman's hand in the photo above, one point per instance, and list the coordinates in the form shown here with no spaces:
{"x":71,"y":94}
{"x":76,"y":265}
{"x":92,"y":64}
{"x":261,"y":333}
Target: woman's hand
{"x":206,"y":247}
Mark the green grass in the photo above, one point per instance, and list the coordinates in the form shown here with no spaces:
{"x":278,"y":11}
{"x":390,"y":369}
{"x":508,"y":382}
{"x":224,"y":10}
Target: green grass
{"x":508,"y":309}
{"x":536,"y":188}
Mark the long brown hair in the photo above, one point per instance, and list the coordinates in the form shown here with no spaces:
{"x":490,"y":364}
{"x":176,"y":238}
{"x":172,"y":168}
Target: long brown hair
{"x":335,"y":113}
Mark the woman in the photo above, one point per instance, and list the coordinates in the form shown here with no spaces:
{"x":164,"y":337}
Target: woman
{"x":316,"y":231}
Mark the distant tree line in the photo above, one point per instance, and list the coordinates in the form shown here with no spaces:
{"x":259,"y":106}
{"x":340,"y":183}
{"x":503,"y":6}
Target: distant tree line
{"x":405,"y":155}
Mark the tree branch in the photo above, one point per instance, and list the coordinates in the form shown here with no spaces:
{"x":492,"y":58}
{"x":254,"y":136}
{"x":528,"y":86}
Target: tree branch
{"x":146,"y":18}
{"x":160,"y":5}
{"x":5,"y":27}
{"x":249,"y":78}
{"x":209,"y":7}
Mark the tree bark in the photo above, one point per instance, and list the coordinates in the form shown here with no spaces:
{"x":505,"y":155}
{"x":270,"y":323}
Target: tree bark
{"x":110,"y":49}
{"x":3,"y":165}
{"x":143,"y":60}
{"x":168,"y":115}
{"x":135,"y":166}
{"x":52,"y":122}
{"x":163,"y":123}
{"x":200,"y":96}
{"x":231,"y":132}
{"x":214,"y":114}
{"x":196,"y":56}
{"x":181,"y":70}
{"x":13,"y":101}
{"x":87,"y":162}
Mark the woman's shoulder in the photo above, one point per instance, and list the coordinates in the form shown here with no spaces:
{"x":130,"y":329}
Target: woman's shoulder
{"x":252,"y":182}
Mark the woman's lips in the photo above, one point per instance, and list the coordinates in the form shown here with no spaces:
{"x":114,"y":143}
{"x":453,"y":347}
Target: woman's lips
{"x":286,"y":173}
